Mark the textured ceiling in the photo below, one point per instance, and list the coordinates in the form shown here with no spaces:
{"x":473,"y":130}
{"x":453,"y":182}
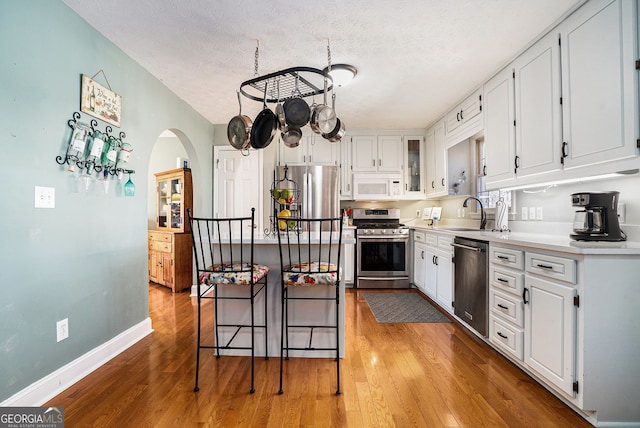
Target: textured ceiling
{"x":415,"y":58}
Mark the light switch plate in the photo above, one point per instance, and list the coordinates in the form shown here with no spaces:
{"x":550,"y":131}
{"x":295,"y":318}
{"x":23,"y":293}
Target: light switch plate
{"x":532,"y":213}
{"x":539,"y":213}
{"x":45,"y":197}
{"x":525,"y":213}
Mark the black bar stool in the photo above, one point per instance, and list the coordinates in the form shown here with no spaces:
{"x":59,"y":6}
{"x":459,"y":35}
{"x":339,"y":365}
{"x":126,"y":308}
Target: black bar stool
{"x":309,"y":257}
{"x":223,"y":260}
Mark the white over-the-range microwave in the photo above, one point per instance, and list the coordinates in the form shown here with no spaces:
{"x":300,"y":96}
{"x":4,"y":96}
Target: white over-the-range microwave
{"x":377,"y":186}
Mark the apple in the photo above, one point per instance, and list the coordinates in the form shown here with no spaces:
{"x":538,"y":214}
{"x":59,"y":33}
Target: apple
{"x":275,"y":193}
{"x":286,"y":194}
{"x":292,"y":224}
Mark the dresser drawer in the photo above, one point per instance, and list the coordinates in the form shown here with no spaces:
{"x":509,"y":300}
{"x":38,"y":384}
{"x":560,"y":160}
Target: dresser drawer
{"x":160,"y":236}
{"x":560,"y":268}
{"x":508,"y":338}
{"x":507,"y":306}
{"x":160,"y":246}
{"x":508,"y":280}
{"x":506,"y":257}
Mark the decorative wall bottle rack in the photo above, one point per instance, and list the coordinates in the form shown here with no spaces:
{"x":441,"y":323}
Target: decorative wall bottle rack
{"x":89,"y":165}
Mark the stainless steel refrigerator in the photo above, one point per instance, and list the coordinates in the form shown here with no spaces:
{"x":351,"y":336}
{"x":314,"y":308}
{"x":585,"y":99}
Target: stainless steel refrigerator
{"x":317,"y":187}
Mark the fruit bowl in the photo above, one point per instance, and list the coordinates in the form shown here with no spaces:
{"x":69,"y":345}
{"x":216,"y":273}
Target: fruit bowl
{"x":284,"y":196}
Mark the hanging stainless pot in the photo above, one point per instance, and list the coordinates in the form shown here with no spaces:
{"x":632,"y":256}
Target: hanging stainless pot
{"x":239,"y":129}
{"x":337,"y":133}
{"x":323,"y":118}
{"x":264,"y":127}
{"x":291,"y":137}
{"x":338,"y":130}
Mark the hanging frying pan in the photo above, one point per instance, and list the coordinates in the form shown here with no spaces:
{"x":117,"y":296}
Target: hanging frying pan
{"x":264,"y":127}
{"x":239,"y":129}
{"x":296,"y":110}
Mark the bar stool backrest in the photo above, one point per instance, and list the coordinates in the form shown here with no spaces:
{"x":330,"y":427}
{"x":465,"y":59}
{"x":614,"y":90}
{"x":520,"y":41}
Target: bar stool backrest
{"x":217,"y":242}
{"x":312,"y":242}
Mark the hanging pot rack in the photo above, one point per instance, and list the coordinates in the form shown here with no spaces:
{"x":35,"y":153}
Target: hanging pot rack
{"x":310,"y":82}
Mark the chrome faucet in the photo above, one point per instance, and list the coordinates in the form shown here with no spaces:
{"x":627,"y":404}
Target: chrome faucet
{"x":483,"y":216}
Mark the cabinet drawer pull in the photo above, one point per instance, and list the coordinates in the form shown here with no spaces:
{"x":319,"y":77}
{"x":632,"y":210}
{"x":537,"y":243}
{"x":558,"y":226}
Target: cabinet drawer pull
{"x":503,"y":280}
{"x":502,"y":335}
{"x":503,"y":258}
{"x":525,"y":292}
{"x":544,"y":266}
{"x":422,"y":255}
{"x":503,"y":307}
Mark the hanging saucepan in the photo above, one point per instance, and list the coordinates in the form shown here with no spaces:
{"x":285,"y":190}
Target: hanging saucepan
{"x":337,"y":133}
{"x":338,"y":130}
{"x":239,"y":129}
{"x":264,"y":127}
{"x":291,"y":137}
{"x":323,"y":118}
{"x":296,"y":110}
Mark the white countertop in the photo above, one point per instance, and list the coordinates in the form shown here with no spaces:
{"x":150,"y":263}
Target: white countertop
{"x":543,"y":241}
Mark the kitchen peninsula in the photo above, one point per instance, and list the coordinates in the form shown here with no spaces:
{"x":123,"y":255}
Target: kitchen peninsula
{"x":266,"y":252}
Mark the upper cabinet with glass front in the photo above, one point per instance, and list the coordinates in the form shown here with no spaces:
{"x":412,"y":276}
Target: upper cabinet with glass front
{"x":414,"y":168}
{"x":174,"y":196}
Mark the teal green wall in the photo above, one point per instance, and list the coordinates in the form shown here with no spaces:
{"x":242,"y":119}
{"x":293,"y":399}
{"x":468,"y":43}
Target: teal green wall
{"x":85,"y":260}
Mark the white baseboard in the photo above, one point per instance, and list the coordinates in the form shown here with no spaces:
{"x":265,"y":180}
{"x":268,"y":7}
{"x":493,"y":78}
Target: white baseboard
{"x":53,"y":384}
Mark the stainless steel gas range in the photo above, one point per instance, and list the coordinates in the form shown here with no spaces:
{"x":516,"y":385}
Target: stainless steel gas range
{"x":382,"y":249}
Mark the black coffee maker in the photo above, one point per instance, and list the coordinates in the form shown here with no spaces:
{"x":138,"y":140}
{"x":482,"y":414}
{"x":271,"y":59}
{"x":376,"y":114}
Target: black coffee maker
{"x":598,"y":218}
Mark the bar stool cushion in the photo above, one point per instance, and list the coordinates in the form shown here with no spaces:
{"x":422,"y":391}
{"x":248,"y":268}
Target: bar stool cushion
{"x":233,"y":273}
{"x":310,"y":273}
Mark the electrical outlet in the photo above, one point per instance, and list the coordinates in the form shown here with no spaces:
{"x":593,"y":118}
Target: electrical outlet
{"x":62,"y":329}
{"x":45,"y":197}
{"x":622,"y":215}
{"x":418,"y":213}
{"x":532,"y":213}
{"x":525,"y":213}
{"x":539,"y":213}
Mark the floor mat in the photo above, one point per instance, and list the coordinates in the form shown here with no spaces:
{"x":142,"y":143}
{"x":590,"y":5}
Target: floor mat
{"x":402,"y":307}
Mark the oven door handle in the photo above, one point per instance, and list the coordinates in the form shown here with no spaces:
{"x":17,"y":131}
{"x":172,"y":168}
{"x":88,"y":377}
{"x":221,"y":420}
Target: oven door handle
{"x":467,"y":247}
{"x":385,"y":278}
{"x":383,"y":239}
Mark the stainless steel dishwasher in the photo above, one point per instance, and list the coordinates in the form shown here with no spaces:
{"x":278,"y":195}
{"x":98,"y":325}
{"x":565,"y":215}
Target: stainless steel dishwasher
{"x":471,"y":279}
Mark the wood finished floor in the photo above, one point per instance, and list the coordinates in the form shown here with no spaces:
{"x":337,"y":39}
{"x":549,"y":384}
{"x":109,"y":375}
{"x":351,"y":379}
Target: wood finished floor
{"x":393,"y":375}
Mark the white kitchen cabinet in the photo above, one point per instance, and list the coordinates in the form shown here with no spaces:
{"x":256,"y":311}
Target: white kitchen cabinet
{"x":313,"y":149}
{"x":377,"y":153}
{"x":438,"y":280}
{"x":499,"y":129}
{"x":523,"y":121}
{"x":346,"y":173}
{"x":414,"y":159}
{"x":538,"y":117}
{"x":419,"y":260}
{"x":465,"y":119}
{"x":436,"y":160}
{"x":600,"y":116}
{"x":550,"y":331}
{"x":506,"y":309}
